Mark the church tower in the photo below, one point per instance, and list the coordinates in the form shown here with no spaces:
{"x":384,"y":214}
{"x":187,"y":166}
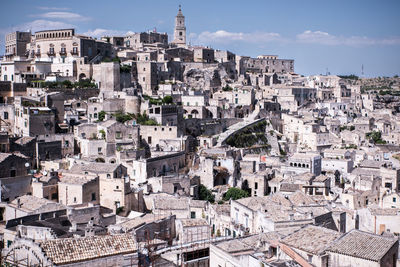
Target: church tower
{"x":180,"y":29}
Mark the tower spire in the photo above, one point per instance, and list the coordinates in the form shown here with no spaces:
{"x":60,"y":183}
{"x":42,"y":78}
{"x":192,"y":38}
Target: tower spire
{"x":180,"y":29}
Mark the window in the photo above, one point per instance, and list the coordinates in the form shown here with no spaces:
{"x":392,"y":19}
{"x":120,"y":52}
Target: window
{"x":74,"y":199}
{"x":93,"y":196}
{"x":5,"y":115}
{"x":108,"y":176}
{"x":117,"y":204}
{"x":117,"y":187}
{"x":118,"y":135}
{"x":193,"y":215}
{"x":255,"y":185}
{"x":99,"y":149}
{"x":394,"y":199}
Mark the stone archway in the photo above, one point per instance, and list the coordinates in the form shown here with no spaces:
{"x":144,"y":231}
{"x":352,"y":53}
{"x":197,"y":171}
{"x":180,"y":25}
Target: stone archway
{"x":82,"y":76}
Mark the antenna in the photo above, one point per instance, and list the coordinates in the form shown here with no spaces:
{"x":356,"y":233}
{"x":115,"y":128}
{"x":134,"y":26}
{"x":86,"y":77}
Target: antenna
{"x":362,"y":70}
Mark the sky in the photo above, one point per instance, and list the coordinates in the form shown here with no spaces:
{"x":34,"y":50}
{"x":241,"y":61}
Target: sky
{"x":338,"y":36}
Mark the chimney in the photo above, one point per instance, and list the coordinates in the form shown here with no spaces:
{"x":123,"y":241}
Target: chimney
{"x":19,"y":203}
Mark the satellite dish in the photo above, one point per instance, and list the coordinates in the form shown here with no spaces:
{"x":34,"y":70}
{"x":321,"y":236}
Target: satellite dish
{"x":45,"y":173}
{"x":27,"y":164}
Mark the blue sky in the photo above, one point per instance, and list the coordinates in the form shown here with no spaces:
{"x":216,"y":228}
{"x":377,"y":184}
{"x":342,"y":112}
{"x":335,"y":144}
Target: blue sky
{"x":338,"y":35}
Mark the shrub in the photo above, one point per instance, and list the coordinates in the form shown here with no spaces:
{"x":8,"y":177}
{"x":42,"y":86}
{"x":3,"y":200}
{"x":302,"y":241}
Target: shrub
{"x":102,"y":115}
{"x":103,"y":134}
{"x":122,"y":117}
{"x":168,"y":99}
{"x":235,"y":193}
{"x":206,"y":194}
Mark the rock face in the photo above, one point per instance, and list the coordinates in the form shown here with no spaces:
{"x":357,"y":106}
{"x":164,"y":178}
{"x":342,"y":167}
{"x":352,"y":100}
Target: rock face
{"x":207,"y":78}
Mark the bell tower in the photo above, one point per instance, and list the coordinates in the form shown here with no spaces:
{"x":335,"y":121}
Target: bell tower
{"x":180,"y":29}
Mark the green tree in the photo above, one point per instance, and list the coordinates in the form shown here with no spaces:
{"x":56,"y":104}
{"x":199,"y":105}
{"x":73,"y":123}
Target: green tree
{"x":376,"y":137}
{"x":206,"y":194}
{"x":122,"y":117}
{"x":67,"y":84}
{"x":235,"y":193}
{"x":103,"y":134}
{"x":102,"y":115}
{"x":167,"y":99}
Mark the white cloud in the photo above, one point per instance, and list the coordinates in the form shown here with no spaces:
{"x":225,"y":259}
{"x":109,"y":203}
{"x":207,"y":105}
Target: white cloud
{"x":38,"y":25}
{"x":222,"y":36}
{"x":308,"y":37}
{"x":104,"y":32}
{"x":33,"y":26}
{"x":62,"y":15}
{"x":324,"y":38}
{"x":52,"y":8}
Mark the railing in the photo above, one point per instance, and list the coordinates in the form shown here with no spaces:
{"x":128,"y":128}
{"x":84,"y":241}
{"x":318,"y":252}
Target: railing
{"x":74,"y":52}
{"x":63,"y":52}
{"x":51,"y":53}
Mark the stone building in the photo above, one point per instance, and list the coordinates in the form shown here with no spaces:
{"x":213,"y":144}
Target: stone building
{"x":114,"y":190}
{"x":16,"y":43}
{"x":120,"y":249}
{"x":162,"y":163}
{"x":75,"y":189}
{"x":63,"y":43}
{"x":180,"y":29}
{"x":141,"y":39}
{"x":308,"y":243}
{"x":268,"y":64}
{"x":15,"y":179}
{"x":167,"y":115}
{"x":29,"y":205}
{"x":302,"y":163}
{"x":203,"y":54}
{"x":192,"y":230}
{"x":357,"y":248}
{"x":45,"y":186}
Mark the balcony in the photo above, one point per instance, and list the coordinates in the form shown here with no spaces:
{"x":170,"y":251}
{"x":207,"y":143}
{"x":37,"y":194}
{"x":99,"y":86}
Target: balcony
{"x":63,"y":53}
{"x":51,"y":53}
{"x":76,"y":52}
{"x":37,"y":53}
